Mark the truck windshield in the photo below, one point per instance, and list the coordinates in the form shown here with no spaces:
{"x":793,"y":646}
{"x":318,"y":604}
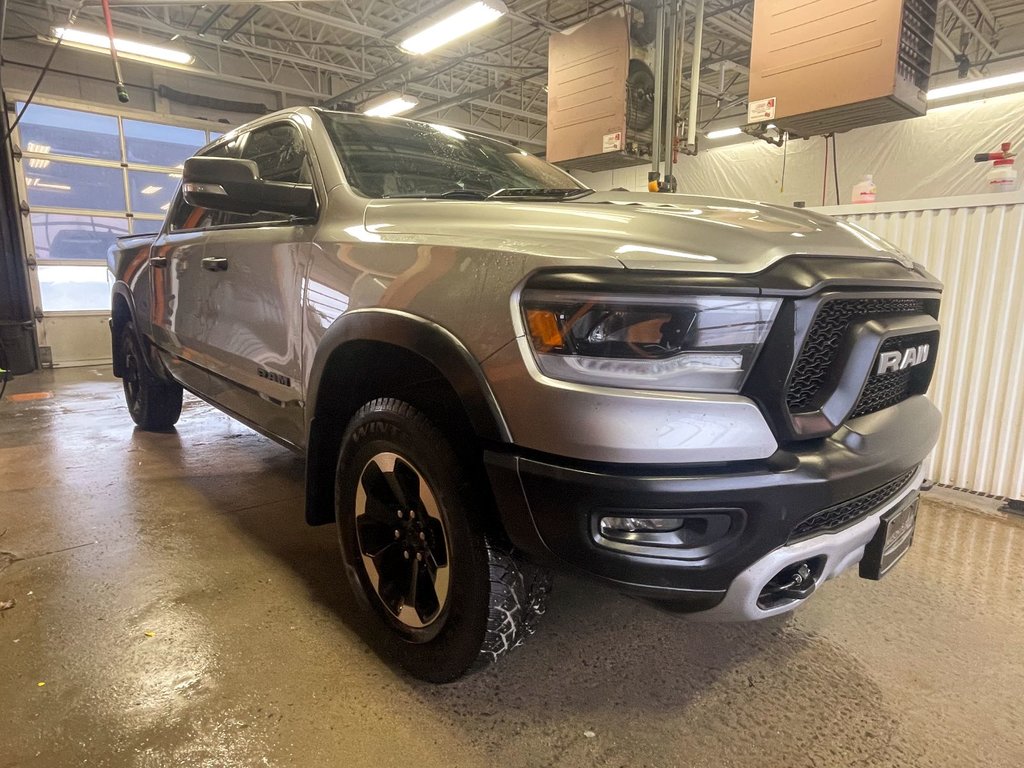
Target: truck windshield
{"x":388,"y":157}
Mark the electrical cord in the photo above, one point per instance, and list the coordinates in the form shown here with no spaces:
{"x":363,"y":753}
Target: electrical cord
{"x":3,"y":27}
{"x":5,"y":375}
{"x":72,"y":18}
{"x":35,"y":89}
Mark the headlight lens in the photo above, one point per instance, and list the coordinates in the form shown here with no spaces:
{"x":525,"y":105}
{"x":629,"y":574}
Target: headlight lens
{"x":679,"y":343}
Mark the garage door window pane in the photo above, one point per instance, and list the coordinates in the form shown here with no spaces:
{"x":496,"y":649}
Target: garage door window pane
{"x":63,"y":236}
{"x":151,"y":192}
{"x":156,"y":144}
{"x":66,"y":289}
{"x":55,"y":131}
{"x":71,"y":185}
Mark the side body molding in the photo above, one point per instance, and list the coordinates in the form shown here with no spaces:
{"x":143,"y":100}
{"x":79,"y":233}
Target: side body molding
{"x":409,"y":334}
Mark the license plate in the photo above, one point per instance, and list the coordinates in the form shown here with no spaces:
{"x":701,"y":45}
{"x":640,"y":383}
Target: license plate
{"x":891,"y":542}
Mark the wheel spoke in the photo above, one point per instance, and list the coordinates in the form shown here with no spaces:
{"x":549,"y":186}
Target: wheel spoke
{"x":426,"y":600}
{"x":394,"y":577}
{"x":414,"y":578}
{"x":375,"y":483}
{"x":429,"y":502}
{"x":377,"y":511}
{"x":436,"y":542}
{"x":405,"y":484}
{"x":374,"y":535}
{"x":439,"y":578}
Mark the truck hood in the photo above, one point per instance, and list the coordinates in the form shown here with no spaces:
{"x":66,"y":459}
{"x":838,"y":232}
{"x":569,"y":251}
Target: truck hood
{"x":640,"y":230}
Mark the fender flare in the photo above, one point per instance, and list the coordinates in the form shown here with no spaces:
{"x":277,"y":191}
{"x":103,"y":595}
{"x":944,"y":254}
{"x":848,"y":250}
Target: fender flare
{"x":424,"y":338}
{"x":120,"y":289}
{"x":413,"y":334}
{"x":153,"y":363}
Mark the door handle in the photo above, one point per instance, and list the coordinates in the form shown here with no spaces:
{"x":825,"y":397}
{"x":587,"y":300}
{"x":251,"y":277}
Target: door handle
{"x":158,"y":261}
{"x":215,"y":263}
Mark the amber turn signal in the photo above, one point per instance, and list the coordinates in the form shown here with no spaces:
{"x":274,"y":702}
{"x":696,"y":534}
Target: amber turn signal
{"x":544,"y":329}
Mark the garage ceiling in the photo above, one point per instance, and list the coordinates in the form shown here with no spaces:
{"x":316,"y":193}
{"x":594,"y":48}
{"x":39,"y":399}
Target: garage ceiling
{"x":326,"y":52}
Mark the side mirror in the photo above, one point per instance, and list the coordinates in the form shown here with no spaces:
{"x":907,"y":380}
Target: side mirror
{"x":229,"y":184}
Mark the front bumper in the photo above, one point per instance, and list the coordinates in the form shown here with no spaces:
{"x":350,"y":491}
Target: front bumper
{"x":551,"y":508}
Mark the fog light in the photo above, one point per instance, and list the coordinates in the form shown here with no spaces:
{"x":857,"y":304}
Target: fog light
{"x":612,"y":525}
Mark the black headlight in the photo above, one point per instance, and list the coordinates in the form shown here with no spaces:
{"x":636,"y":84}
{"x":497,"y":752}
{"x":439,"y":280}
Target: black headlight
{"x":687,"y":343}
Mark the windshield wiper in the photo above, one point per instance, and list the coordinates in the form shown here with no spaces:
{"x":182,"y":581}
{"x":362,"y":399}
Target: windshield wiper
{"x":506,"y":193}
{"x":541,"y":192}
{"x":451,"y":194}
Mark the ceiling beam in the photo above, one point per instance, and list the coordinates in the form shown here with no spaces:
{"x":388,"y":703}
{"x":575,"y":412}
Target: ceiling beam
{"x":455,"y":101}
{"x":166,"y":3}
{"x":969,"y":25}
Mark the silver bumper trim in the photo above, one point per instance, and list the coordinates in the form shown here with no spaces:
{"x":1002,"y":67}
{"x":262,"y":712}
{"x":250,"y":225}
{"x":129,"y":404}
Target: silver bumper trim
{"x":841,"y":551}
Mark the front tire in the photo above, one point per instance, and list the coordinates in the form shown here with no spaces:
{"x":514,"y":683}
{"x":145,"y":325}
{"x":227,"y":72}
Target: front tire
{"x":448,"y":595}
{"x":154,"y":405}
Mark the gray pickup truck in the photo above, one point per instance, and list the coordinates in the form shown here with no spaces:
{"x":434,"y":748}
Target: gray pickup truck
{"x":493,"y":371}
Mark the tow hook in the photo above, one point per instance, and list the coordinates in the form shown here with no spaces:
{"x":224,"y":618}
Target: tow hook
{"x":794,"y":582}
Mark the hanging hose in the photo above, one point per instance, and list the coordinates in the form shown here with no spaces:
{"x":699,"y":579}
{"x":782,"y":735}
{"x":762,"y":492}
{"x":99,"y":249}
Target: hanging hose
{"x":122,"y":92}
{"x":835,"y":168}
{"x":824,"y":180}
{"x":785,"y":152}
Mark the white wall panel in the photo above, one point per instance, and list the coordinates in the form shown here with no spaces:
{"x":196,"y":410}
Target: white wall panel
{"x":979,"y":383}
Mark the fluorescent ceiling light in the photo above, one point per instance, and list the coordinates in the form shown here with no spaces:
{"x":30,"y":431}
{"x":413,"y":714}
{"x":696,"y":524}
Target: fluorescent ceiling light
{"x":95,"y":41}
{"x":152,"y":189}
{"x":461,"y":19}
{"x":389,"y":104}
{"x":724,"y":133}
{"x":974,"y":86}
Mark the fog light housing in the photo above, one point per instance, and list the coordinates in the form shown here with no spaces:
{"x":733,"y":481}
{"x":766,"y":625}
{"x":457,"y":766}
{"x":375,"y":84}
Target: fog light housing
{"x":686,"y":534}
{"x":612,"y":525}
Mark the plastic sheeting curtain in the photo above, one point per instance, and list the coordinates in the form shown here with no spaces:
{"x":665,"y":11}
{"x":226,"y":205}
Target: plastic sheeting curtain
{"x":930,"y":156}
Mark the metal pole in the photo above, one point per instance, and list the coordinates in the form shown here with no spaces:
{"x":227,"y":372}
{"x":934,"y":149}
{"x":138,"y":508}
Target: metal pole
{"x":675,"y":63}
{"x":659,"y":94}
{"x":698,"y":42}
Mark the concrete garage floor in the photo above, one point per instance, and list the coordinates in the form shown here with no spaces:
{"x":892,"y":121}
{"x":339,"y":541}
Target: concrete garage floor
{"x":180,"y":613}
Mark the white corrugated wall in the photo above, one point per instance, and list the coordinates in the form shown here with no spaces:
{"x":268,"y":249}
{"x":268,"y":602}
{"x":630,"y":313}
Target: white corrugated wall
{"x":979,"y":381}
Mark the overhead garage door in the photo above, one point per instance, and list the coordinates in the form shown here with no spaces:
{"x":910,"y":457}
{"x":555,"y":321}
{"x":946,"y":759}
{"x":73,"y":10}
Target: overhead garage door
{"x":89,"y":177}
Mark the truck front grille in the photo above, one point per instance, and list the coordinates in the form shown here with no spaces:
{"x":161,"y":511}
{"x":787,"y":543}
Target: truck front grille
{"x":825,"y":336}
{"x":839,"y":516}
{"x":882,"y":391}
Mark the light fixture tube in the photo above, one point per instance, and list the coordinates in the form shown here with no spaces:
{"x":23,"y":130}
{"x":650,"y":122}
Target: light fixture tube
{"x":723,"y":133}
{"x":975,"y":86}
{"x":101,"y":43}
{"x":389,"y":104}
{"x":462,"y":19}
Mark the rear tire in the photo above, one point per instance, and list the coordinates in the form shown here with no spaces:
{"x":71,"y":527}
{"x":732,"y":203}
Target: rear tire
{"x":449,"y":596}
{"x":154,"y":405}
